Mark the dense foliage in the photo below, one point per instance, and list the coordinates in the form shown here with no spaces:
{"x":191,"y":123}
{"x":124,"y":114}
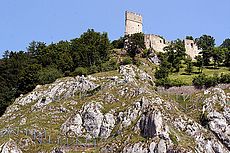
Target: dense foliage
{"x":134,"y":44}
{"x":40,"y":64}
{"x":170,"y":62}
{"x":203,"y":80}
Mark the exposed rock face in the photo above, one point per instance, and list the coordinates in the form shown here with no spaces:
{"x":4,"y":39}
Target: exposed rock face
{"x":218,"y":114}
{"x":153,"y":147}
{"x":131,"y":72}
{"x":73,"y":124}
{"x":219,"y":125}
{"x":57,"y":150}
{"x":136,"y":148}
{"x":10,"y":147}
{"x":25,"y":143}
{"x":151,"y":124}
{"x":107,"y":126}
{"x":200,"y":135}
{"x":162,"y":148}
{"x":60,"y":89}
{"x":126,"y":112}
{"x":92,"y":118}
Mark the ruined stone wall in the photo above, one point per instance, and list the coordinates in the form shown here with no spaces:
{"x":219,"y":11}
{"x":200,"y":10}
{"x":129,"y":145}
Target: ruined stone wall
{"x":133,"y":23}
{"x":155,"y":42}
{"x":191,"y":48}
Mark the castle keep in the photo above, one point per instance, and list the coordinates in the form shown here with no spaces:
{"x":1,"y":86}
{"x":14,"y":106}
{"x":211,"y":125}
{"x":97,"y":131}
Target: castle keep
{"x":134,"y":24}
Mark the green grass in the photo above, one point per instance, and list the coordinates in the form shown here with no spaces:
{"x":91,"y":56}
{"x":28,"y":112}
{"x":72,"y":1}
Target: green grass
{"x":187,"y":79}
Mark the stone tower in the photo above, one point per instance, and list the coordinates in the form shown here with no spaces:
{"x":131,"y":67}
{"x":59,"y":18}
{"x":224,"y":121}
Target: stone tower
{"x":191,"y":48}
{"x":133,"y":23}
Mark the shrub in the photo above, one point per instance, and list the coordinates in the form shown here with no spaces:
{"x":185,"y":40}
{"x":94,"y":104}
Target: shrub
{"x":145,"y":53}
{"x":199,"y":81}
{"x":119,"y":43}
{"x":189,"y":67}
{"x":127,"y":61}
{"x":164,"y":69}
{"x":93,"y":69}
{"x":167,"y":83}
{"x":80,"y":71}
{"x":164,"y":82}
{"x":207,"y":81}
{"x":173,"y":138}
{"x":48,"y":75}
{"x":210,"y":81}
{"x":109,"y":65}
{"x":137,"y":62}
{"x":163,"y":72}
{"x":224,"y":78}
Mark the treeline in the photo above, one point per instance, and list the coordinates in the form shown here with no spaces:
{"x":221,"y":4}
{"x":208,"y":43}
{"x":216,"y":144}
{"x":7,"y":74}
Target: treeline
{"x":21,"y":71}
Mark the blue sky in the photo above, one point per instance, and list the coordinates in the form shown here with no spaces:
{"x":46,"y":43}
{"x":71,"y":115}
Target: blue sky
{"x":22,"y":21}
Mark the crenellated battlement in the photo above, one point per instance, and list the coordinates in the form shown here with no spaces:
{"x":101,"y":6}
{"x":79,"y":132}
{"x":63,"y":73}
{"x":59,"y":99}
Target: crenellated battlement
{"x":135,"y":17}
{"x":133,"y":13}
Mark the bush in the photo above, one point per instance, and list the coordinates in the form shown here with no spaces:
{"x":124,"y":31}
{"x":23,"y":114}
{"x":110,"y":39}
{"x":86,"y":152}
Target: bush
{"x":109,"y":65}
{"x":211,"y":81}
{"x":224,"y":78}
{"x":163,"y":72}
{"x":167,"y":83}
{"x":164,"y":69}
{"x":48,"y":75}
{"x":189,"y":66}
{"x":207,"y":81}
{"x":80,"y":71}
{"x":119,"y":43}
{"x":199,"y":81}
{"x":145,"y":53}
{"x":136,"y":62}
{"x":164,"y":82}
{"x":127,"y":61}
{"x":93,"y":69}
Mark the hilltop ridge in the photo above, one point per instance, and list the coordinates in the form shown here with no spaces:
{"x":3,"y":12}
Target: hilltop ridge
{"x":122,"y":110}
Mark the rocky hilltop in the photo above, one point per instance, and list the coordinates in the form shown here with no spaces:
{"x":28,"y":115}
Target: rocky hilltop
{"x":121,"y":110}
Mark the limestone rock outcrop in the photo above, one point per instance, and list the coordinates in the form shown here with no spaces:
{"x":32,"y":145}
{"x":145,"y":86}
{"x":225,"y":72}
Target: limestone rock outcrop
{"x":217,"y":109}
{"x":90,"y":121}
{"x":123,"y":111}
{"x":10,"y":147}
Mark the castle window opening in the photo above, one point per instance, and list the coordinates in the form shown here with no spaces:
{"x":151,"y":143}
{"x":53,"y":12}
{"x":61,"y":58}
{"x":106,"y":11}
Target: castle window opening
{"x":192,"y":45}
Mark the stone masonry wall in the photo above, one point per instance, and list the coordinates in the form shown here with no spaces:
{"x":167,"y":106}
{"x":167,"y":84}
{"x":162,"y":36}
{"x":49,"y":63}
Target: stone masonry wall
{"x":191,"y":48}
{"x":155,"y":42}
{"x":133,"y":23}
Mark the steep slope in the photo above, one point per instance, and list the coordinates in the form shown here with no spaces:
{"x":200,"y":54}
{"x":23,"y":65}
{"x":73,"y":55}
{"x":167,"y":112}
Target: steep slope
{"x":122,"y":110}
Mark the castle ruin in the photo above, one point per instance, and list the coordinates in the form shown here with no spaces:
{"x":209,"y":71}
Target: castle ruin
{"x":191,"y":48}
{"x":155,"y":42}
{"x":134,"y":24}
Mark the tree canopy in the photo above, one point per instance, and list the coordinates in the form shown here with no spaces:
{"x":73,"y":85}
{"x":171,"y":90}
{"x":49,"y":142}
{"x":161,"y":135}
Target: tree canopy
{"x":21,"y":71}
